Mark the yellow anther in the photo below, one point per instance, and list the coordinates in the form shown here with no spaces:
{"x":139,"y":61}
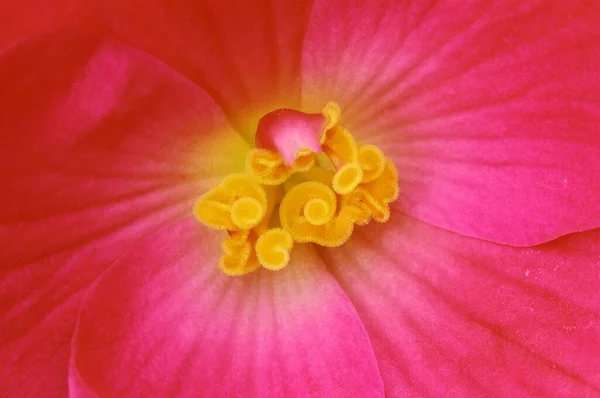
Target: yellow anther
{"x":385,"y":188}
{"x":213,"y":214}
{"x":362,"y":199}
{"x":273,"y":249}
{"x":269,"y":168}
{"x":357,"y":206}
{"x":371,"y":161}
{"x":229,"y":205}
{"x":347,"y":178}
{"x":339,"y":146}
{"x":236,"y":186}
{"x":308,"y":212}
{"x":292,"y":207}
{"x":247,"y":212}
{"x":373,"y":198}
{"x":317,"y":211}
{"x":238,"y":255}
{"x":333,"y":234}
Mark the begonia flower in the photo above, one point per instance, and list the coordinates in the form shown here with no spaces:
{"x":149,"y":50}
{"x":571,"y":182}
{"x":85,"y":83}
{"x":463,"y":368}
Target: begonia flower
{"x":120,"y":117}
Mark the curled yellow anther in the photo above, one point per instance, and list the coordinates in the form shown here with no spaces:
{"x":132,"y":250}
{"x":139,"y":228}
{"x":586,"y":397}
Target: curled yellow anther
{"x":385,"y":188}
{"x":214,"y":214}
{"x":239,"y":185}
{"x":333,"y":234}
{"x":273,"y":249}
{"x":238,"y":257}
{"x":317,"y":211}
{"x":269,"y":168}
{"x":362,"y":199}
{"x":371,"y":161}
{"x":347,"y":178}
{"x":308,"y":212}
{"x":314,"y":194}
{"x":357,"y":207}
{"x":236,"y":203}
{"x":373,"y":198}
{"x":339,"y":146}
{"x":247,"y":212}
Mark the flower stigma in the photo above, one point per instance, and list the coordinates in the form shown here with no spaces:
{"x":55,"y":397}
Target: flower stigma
{"x":306,"y":181}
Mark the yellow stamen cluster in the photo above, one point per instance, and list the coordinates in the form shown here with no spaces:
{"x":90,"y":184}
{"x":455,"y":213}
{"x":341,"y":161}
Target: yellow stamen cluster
{"x":318,"y":199}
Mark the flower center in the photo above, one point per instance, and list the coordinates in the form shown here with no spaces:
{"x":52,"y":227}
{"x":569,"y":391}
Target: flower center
{"x":307,"y":181}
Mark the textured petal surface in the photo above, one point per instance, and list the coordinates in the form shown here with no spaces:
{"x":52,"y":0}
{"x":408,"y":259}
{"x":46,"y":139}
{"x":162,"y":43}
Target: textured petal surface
{"x":246,"y":54}
{"x":101,"y":144}
{"x":163,"y":321}
{"x":455,"y":316}
{"x":490,"y":110}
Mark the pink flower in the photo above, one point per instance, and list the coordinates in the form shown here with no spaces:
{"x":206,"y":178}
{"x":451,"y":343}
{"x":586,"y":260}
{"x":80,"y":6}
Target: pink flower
{"x":117,"y":115}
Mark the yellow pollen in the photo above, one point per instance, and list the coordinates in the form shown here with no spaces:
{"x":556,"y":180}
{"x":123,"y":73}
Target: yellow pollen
{"x":319,"y":199}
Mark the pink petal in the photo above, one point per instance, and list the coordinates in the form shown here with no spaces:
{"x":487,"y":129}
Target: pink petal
{"x":454,"y":316}
{"x":165,"y":322}
{"x":489,"y":110}
{"x":101,"y":144}
{"x":246,"y":54}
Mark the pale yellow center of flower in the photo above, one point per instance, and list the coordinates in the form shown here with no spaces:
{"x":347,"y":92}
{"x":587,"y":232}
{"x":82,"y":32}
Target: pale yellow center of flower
{"x":315,"y":200}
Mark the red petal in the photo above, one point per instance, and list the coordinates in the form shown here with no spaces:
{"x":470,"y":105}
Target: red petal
{"x":28,"y":18}
{"x":246,"y":54}
{"x":100,"y":145}
{"x":490,"y":111}
{"x":163,"y":321}
{"x":455,"y":316}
